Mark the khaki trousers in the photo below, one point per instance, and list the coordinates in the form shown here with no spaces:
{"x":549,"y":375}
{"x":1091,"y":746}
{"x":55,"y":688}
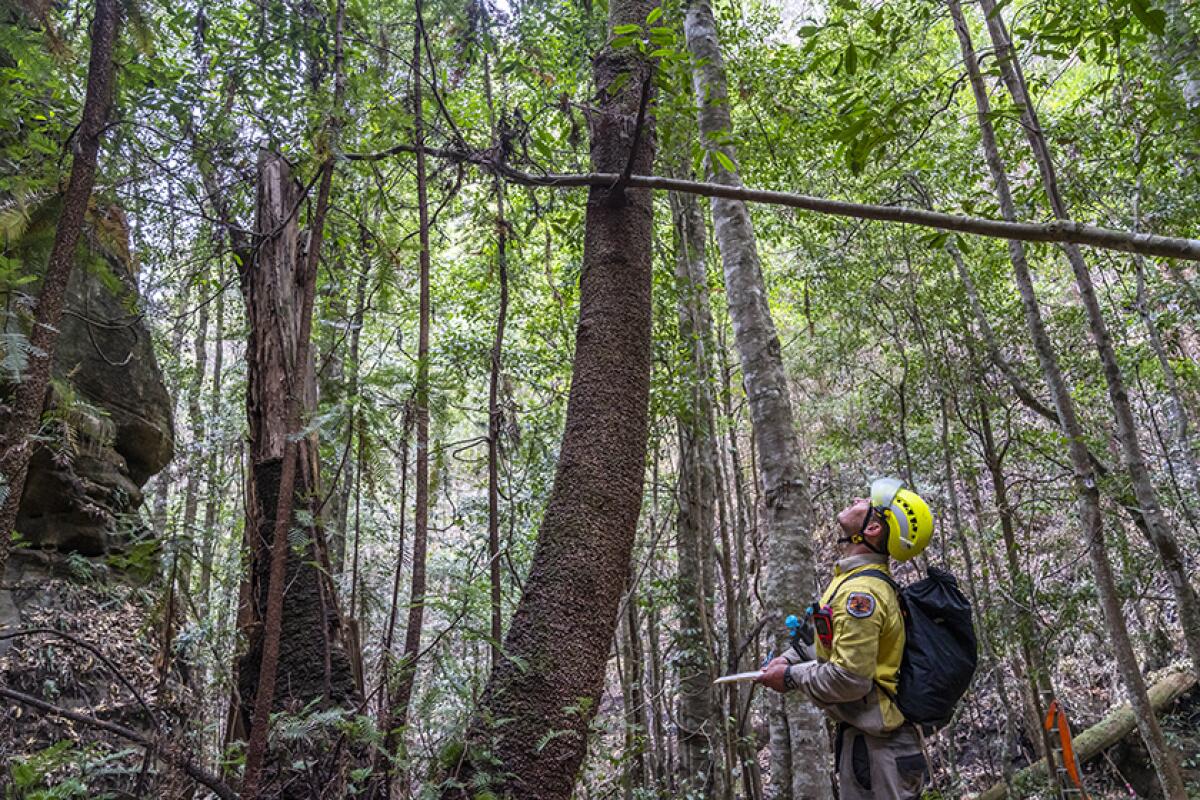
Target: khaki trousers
{"x":888,"y":767}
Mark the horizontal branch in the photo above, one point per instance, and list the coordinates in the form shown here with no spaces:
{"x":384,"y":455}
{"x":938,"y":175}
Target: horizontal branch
{"x":1059,"y":231}
{"x":197,"y":773}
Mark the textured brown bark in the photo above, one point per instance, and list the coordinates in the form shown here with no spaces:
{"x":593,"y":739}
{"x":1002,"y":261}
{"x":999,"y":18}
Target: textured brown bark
{"x":797,"y":727}
{"x":26,"y":406}
{"x":1091,"y":522}
{"x":302,"y":652}
{"x":279,"y":292}
{"x":547,"y":688}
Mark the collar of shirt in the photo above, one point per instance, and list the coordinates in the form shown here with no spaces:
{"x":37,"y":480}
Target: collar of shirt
{"x":844,"y":565}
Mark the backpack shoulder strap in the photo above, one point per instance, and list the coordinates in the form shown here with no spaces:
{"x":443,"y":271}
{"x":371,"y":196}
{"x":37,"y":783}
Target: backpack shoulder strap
{"x":883,"y":576}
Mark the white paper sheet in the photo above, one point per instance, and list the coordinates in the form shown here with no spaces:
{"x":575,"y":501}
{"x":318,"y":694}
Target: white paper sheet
{"x":739,"y":677}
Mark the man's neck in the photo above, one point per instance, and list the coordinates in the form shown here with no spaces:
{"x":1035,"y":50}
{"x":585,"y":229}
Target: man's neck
{"x":860,"y":558}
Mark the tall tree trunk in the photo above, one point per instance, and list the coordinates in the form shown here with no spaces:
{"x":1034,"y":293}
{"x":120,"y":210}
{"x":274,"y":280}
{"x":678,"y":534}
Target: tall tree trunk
{"x":1022,"y":586}
{"x":281,"y":393}
{"x":548,"y":687}
{"x":24,"y":417}
{"x":187,"y":537}
{"x":1161,"y":536}
{"x":797,"y":728}
{"x":1091,"y":522}
{"x":407,"y":670}
{"x":495,"y":414}
{"x":215,"y":456}
{"x":700,"y":720}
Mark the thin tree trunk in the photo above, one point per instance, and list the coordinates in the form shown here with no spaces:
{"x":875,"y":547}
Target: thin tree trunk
{"x":24,"y":418}
{"x":797,"y":727}
{"x":1161,"y":536}
{"x":637,"y":774}
{"x":548,"y":687}
{"x":382,"y":783}
{"x":213,"y":468}
{"x":700,"y":720}
{"x":187,"y":538}
{"x":1091,"y":522}
{"x":1021,"y":583}
{"x":407,"y":669}
{"x":1181,"y":452}
{"x":495,"y":414}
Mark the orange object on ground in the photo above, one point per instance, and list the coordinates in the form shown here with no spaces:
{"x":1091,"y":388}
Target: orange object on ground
{"x":1057,"y":718}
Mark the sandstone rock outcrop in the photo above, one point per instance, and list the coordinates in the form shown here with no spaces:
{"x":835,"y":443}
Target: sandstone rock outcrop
{"x":111,"y":423}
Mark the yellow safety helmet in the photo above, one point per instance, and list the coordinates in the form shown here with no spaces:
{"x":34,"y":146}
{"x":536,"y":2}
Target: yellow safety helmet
{"x":908,"y":518}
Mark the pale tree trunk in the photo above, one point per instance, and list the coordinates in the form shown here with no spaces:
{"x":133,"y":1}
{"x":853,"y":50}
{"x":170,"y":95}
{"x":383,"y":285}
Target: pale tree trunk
{"x":215,"y":457}
{"x":797,"y":727}
{"x":21,"y":422}
{"x":1182,"y":51}
{"x":700,"y":720}
{"x":1161,"y":536}
{"x":162,"y":482}
{"x":1091,"y":522}
{"x":1181,"y":453}
{"x":187,"y":538}
{"x":547,"y":688}
{"x":637,"y":773}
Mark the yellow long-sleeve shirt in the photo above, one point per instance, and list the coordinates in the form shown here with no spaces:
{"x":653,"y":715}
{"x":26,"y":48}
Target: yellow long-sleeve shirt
{"x":867,"y":647}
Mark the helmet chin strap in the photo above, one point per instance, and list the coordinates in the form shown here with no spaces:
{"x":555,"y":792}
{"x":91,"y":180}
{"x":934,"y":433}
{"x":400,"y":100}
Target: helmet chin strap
{"x":860,"y":537}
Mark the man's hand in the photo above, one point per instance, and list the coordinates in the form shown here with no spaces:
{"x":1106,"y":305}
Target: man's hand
{"x":776,"y":661}
{"x":773,"y":676}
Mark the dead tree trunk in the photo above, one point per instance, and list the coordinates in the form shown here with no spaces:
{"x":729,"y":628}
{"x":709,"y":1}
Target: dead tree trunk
{"x":547,"y":689}
{"x":797,"y":729}
{"x":1091,"y":522}
{"x":22,"y":419}
{"x":300,"y":651}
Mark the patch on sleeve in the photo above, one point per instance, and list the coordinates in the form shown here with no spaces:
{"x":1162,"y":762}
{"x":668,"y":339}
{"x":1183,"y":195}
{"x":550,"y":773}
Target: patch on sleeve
{"x":860,"y":604}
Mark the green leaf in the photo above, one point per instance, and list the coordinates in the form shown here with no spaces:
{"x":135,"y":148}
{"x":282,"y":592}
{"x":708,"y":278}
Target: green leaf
{"x":725,"y":161}
{"x":1154,"y":19}
{"x":851,"y":59}
{"x":622,"y":30}
{"x":654,"y":15}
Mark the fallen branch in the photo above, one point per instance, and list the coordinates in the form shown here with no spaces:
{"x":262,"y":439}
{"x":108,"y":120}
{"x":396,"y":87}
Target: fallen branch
{"x":196,"y":773}
{"x":1108,"y":731}
{"x":1060,"y":231}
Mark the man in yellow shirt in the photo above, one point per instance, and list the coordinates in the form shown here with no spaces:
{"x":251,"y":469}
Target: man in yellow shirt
{"x":851,"y":668}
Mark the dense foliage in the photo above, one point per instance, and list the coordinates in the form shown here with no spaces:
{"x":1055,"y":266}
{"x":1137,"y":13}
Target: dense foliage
{"x":890,"y":365}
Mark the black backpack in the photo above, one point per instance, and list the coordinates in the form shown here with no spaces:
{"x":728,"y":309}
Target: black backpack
{"x":940,"y":651}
